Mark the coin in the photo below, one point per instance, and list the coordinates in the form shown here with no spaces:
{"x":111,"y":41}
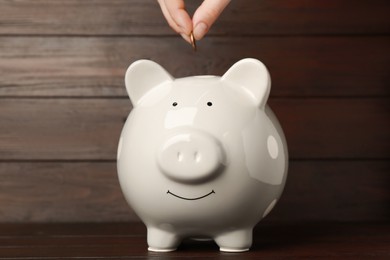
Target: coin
{"x":193,"y":41}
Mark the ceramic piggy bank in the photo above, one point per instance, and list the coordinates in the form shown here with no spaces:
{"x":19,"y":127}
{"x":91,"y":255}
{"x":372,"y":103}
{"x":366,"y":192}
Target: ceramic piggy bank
{"x":201,"y":156}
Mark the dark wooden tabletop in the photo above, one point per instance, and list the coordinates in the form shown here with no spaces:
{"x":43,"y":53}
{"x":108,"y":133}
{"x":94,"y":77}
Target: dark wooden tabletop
{"x":128,"y":241}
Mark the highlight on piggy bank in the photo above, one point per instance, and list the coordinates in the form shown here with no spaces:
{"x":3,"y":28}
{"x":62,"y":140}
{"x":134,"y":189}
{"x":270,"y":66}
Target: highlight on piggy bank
{"x":201,"y":156}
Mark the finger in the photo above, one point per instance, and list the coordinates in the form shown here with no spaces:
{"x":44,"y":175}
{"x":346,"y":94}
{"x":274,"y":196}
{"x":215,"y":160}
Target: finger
{"x":179,"y":15}
{"x":168,"y":17}
{"x":206,"y":15}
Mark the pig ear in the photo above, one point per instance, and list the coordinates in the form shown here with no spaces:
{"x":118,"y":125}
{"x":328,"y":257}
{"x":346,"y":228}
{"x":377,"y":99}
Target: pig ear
{"x":142,"y":76}
{"x":253,"y":77}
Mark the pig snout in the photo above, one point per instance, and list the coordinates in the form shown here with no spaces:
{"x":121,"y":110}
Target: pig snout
{"x":191,"y":157}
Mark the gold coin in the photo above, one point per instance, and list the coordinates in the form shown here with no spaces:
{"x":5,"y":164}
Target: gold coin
{"x":193,"y":41}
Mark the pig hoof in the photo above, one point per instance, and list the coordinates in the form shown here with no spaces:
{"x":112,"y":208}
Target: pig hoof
{"x":162,"y":241}
{"x":235,"y":241}
{"x":233,"y":250}
{"x":161,"y":250}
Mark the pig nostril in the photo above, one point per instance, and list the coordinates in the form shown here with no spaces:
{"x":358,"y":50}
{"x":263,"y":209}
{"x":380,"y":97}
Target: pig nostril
{"x":197,"y":157}
{"x":179,"y":156}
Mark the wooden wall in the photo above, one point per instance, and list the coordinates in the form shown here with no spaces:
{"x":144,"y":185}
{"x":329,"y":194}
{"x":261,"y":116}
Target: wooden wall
{"x":63,"y":102}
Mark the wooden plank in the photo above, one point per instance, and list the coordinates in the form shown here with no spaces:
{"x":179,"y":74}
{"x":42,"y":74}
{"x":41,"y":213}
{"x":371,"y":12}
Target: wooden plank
{"x":300,"y":66}
{"x":316,"y":240}
{"x":61,"y":192}
{"x":89,"y":129}
{"x":61,"y":129}
{"x":143,"y":17}
{"x":349,"y":191}
{"x":335,"y":128}
{"x":331,"y":190}
{"x":72,"y":229}
{"x":29,"y":230}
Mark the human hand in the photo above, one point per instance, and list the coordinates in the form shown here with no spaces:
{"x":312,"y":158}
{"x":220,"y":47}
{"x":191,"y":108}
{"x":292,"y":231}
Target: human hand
{"x":204,"y":17}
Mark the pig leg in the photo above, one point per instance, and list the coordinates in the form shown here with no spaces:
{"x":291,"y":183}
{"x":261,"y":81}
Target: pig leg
{"x":235,"y":241}
{"x":161,"y":240}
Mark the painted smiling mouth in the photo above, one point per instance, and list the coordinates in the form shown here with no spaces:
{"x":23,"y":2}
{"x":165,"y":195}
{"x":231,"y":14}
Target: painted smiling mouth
{"x":198,"y":198}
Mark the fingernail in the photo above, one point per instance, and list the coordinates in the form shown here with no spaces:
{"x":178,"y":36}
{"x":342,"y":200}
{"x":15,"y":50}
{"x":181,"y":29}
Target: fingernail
{"x":186,"y":37}
{"x":200,"y":30}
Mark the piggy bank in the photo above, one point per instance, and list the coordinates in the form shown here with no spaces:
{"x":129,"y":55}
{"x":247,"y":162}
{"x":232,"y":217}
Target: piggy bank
{"x":201,"y":156}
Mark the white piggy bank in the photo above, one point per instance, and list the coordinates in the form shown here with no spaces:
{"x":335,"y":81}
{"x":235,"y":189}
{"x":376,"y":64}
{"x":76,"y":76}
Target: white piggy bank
{"x":201,"y":156}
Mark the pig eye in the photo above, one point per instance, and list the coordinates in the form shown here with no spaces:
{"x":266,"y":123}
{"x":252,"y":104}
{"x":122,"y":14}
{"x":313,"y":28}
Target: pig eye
{"x":174,"y":104}
{"x":209,"y":104}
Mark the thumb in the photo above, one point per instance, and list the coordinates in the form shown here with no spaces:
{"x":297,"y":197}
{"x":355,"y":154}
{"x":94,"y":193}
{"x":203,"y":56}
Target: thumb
{"x":205,"y":16}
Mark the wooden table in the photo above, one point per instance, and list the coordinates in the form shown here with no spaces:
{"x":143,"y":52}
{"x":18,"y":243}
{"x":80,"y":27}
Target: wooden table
{"x":128,"y":241}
